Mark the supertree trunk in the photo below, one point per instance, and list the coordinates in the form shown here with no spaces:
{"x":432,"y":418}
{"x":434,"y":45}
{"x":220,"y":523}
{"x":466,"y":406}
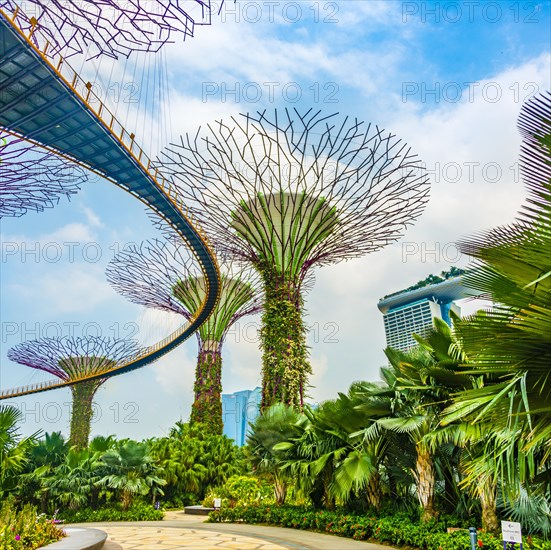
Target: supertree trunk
{"x":425,"y":484}
{"x":285,"y":366}
{"x":81,"y":415}
{"x":207,"y":406}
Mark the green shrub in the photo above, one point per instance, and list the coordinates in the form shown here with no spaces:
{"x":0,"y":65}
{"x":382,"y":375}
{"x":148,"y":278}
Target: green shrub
{"x":137,"y":512}
{"x":241,"y":491}
{"x":397,"y":529}
{"x":25,"y":530}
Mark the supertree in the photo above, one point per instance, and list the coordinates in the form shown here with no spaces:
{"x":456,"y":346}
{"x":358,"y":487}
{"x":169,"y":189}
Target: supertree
{"x":72,"y":359}
{"x":289,"y":192}
{"x":163,"y":275}
{"x":32,"y":178}
{"x":110,"y":27}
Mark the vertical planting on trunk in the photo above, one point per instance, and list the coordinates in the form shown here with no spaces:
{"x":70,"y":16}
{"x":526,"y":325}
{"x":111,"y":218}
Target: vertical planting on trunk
{"x":80,"y":361}
{"x":207,"y":405}
{"x":81,"y":415}
{"x":162,"y":274}
{"x":285,"y":366}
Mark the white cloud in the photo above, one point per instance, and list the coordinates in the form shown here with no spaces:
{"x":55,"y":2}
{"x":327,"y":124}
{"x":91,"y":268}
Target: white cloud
{"x":471,"y":148}
{"x":92,"y":218}
{"x":67,"y":289}
{"x":69,"y":233}
{"x":320,"y":390}
{"x":240,"y":53}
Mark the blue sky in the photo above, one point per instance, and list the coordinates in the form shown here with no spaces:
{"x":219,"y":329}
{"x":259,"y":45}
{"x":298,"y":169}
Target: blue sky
{"x":378,"y":61}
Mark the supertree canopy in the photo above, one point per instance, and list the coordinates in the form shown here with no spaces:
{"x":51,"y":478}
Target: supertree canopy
{"x":72,"y":360}
{"x":111,"y":27}
{"x":163,"y":275}
{"x":288,"y":192}
{"x":32,"y":178}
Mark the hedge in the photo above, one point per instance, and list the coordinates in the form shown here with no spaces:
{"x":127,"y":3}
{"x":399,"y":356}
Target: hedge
{"x":397,"y":529}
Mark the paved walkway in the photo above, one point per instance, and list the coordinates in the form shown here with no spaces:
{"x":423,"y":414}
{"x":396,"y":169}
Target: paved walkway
{"x":179,"y":531}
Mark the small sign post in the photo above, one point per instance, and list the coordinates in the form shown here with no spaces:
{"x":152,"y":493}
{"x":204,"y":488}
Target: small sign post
{"x":512,"y":534}
{"x":217,"y":503}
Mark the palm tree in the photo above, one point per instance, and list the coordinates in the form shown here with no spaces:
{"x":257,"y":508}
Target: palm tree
{"x":222,"y":459}
{"x":309,"y":455}
{"x":409,"y":405}
{"x":275,"y":425}
{"x":13,"y":448}
{"x":102,"y":443}
{"x":131,"y":471}
{"x":444,"y":375}
{"x":330,"y":458}
{"x":469,"y":443}
{"x":417,"y":387}
{"x":44,"y":459}
{"x":75,"y":483}
{"x":180,"y":465}
{"x":193,"y":459}
{"x":510,"y":343}
{"x":51,"y":450}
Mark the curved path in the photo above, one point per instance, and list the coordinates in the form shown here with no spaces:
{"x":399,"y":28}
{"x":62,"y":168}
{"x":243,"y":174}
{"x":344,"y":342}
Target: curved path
{"x":178,"y":531}
{"x":57,"y":110}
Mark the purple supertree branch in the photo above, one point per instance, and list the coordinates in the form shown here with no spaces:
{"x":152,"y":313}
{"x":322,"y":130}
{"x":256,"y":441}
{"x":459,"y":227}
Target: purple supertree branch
{"x":32,"y":178}
{"x":71,"y":358}
{"x":148,"y":275}
{"x":111,"y":27}
{"x":372,"y":179}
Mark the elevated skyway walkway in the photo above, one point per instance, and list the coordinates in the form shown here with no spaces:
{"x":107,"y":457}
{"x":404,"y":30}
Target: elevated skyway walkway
{"x":40,"y":102}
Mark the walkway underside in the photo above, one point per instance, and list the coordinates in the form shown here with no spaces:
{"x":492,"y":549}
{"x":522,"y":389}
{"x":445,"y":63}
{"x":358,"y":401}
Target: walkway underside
{"x":40,"y":102}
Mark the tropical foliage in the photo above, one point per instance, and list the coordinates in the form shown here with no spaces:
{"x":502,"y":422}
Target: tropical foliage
{"x":24,"y":529}
{"x":396,"y":529}
{"x":510,"y":344}
{"x":112,"y":480}
{"x":13,"y":449}
{"x":456,"y":433}
{"x":192,"y":460}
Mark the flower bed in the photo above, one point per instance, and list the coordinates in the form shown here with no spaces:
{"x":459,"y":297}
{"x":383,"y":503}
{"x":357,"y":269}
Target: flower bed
{"x":397,"y":529}
{"x":25,"y":530}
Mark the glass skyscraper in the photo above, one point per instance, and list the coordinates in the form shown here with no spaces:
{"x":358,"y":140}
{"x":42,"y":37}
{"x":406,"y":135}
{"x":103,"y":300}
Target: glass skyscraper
{"x":238,"y":409}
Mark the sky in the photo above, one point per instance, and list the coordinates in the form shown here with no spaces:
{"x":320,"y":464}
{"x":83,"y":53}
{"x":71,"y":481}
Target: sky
{"x":449,"y":78}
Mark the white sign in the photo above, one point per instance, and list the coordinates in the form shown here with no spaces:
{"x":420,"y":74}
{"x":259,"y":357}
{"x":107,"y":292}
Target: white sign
{"x":217,"y":502}
{"x":511,"y":531}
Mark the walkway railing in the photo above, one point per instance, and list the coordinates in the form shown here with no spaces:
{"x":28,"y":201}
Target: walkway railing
{"x":127,"y":140}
